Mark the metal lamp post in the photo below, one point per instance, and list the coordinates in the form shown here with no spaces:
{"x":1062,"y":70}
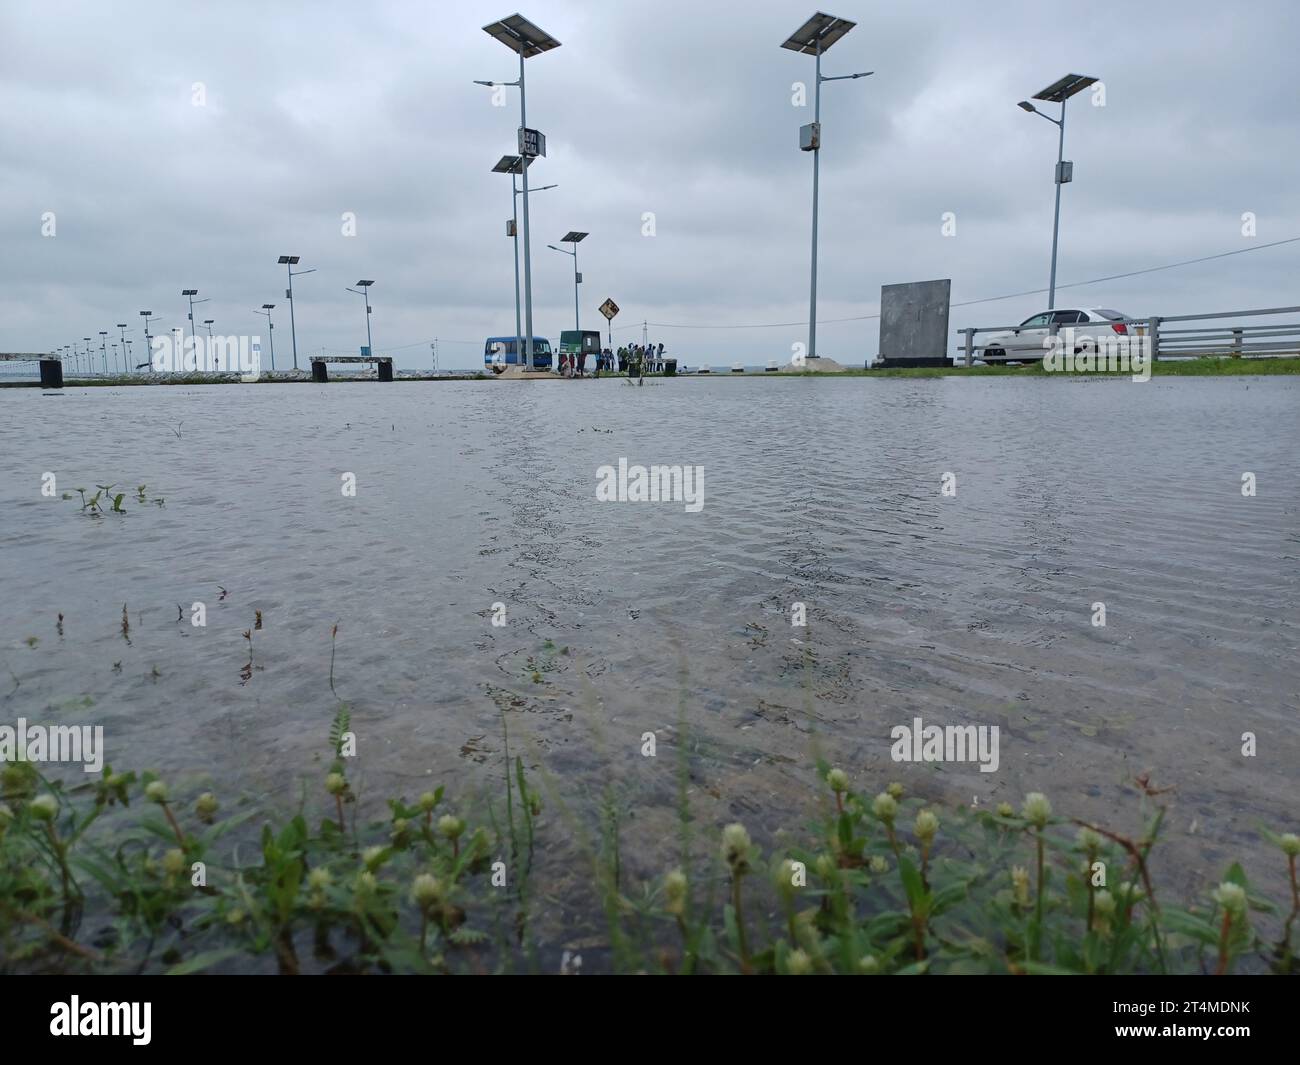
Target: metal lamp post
{"x":270,"y":330}
{"x":514,"y":166}
{"x":1058,"y":92}
{"x":573,"y":237}
{"x":813,"y":38}
{"x":194,"y":334}
{"x":289,"y":262}
{"x":90,"y":360}
{"x":527,"y":40}
{"x":103,"y":349}
{"x":148,"y":317}
{"x":364,"y":286}
{"x":122,"y":327}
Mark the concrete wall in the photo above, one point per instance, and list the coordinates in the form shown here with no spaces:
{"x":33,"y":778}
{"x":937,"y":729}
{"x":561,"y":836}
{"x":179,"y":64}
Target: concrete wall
{"x":914,"y":319}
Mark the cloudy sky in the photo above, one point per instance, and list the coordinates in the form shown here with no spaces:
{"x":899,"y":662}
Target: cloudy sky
{"x":189,"y":145}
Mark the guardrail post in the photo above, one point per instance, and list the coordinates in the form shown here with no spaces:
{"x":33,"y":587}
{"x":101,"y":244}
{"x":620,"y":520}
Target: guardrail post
{"x":1154,"y":324}
{"x":970,"y":346}
{"x":1236,"y":343}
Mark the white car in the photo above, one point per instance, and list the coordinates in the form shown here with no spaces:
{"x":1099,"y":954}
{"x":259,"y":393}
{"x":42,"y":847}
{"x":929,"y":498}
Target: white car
{"x":1025,"y":342}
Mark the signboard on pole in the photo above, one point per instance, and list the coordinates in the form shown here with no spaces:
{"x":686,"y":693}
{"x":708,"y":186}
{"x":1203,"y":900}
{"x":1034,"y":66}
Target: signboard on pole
{"x":609,"y":308}
{"x":532,"y":143}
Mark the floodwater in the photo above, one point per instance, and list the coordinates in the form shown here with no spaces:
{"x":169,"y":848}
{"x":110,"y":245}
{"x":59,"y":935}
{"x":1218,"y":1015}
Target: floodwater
{"x":623,"y":618}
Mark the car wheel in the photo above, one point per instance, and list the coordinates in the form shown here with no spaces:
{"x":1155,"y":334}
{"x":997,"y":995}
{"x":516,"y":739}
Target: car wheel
{"x":994,"y":353}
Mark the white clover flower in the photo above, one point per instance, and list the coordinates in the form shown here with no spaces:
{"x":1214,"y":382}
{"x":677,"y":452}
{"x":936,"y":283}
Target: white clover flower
{"x":426,"y":890}
{"x":156,"y":791}
{"x":1290,"y":844}
{"x":675,"y":886}
{"x":1232,"y":897}
{"x":838,"y":780}
{"x":336,"y":783}
{"x":206,"y":806}
{"x":1037,"y":810}
{"x":927,"y":825}
{"x":1088,"y":840}
{"x":1020,"y":884}
{"x":878,"y":864}
{"x":798,"y":963}
{"x":885,"y":807}
{"x":44,"y":807}
{"x":735,"y":847}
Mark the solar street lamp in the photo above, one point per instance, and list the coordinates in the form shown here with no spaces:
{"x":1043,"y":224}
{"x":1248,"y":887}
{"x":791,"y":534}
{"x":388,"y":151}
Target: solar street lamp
{"x":148,"y":317}
{"x":1058,"y":92}
{"x":191,"y":293}
{"x":364,"y":286}
{"x":289,"y":262}
{"x":270,"y":330}
{"x":813,"y":38}
{"x":514,"y":166}
{"x":527,"y":40}
{"x":572,"y":237}
{"x":122,"y":327}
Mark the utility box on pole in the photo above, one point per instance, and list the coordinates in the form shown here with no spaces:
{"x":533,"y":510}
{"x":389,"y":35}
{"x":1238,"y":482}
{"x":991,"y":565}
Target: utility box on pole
{"x":810,"y":137}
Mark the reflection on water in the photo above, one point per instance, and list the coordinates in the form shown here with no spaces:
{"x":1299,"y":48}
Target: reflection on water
{"x":627,"y":618}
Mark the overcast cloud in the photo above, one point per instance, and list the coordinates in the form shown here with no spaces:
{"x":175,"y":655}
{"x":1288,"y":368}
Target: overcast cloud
{"x":679,"y":109}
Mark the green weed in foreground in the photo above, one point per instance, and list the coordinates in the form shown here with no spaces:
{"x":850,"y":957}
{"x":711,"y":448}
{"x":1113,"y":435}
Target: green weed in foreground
{"x":877,"y":884}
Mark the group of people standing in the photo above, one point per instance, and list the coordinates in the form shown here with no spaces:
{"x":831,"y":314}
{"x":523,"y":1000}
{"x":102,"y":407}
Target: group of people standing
{"x":634,"y":360}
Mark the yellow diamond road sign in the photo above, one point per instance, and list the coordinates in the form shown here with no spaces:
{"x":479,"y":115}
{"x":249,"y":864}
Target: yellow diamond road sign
{"x":609,"y":308}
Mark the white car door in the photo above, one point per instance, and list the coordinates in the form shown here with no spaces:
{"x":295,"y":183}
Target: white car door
{"x":1029,"y":337}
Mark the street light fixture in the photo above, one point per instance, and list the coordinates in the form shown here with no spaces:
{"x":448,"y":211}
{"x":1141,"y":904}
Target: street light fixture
{"x":122,"y":327}
{"x":148,"y":317}
{"x":289,"y":262}
{"x":270,"y":329}
{"x":573,"y":237}
{"x":103,"y":349}
{"x":364,"y":286}
{"x":813,"y":38}
{"x":191,"y":293}
{"x":527,"y":40}
{"x":1058,"y":92}
{"x":514,"y":166}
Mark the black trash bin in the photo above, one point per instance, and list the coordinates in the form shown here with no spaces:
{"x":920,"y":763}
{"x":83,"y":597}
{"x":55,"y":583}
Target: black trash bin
{"x":670,"y":367}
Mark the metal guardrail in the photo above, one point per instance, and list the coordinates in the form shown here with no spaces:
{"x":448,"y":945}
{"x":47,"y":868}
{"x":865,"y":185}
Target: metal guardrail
{"x":1213,"y":339}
